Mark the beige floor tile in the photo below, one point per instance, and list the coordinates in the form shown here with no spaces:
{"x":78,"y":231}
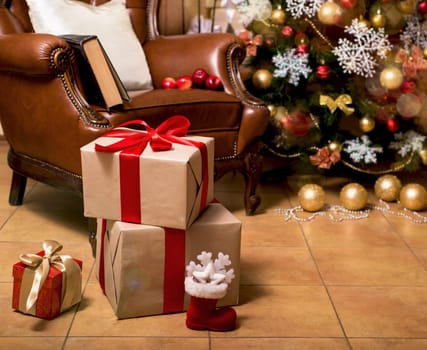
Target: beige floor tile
{"x":414,"y":234}
{"x":279,"y":344}
{"x":18,"y":324}
{"x":382,"y":312}
{"x":372,"y":232}
{"x":31,"y":343}
{"x":96,"y":317}
{"x":30,"y":225}
{"x":271,"y":231}
{"x":278,"y":266}
{"x":284,"y":311}
{"x":388,"y":344}
{"x":363,"y":266}
{"x":421,"y":255}
{"x":122,"y":343}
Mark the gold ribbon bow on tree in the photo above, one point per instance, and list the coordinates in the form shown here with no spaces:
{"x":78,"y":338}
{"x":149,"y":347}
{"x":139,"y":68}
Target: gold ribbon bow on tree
{"x":71,"y":275}
{"x":340,"y":102}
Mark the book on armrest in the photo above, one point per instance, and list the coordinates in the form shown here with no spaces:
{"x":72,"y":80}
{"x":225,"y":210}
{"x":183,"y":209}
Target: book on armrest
{"x":102,"y":85}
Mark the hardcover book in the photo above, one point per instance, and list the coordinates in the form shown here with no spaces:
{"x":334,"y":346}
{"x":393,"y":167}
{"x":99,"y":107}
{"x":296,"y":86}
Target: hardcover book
{"x":102,"y":85}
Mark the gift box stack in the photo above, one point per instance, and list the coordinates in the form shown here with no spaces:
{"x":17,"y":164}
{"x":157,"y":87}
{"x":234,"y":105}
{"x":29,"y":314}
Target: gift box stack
{"x":151,"y":191}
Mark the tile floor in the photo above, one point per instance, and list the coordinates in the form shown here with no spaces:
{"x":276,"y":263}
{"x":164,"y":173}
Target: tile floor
{"x":318,"y":285}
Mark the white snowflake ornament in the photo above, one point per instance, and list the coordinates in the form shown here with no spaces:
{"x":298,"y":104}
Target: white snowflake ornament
{"x":299,"y":8}
{"x":362,"y":150}
{"x":210,"y":271}
{"x":291,"y":65}
{"x":359,"y":56}
{"x":410,"y":141}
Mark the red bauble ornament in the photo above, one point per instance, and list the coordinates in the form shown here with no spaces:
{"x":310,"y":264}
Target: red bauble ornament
{"x":297,"y":123}
{"x":199,"y":77}
{"x":287,"y":31}
{"x":408,"y":87}
{"x":348,"y":3}
{"x":301,"y":49}
{"x":168,"y":83}
{"x":184,"y":82}
{"x":213,"y":82}
{"x":422,"y":7}
{"x":392,"y":125}
{"x":323,"y":71}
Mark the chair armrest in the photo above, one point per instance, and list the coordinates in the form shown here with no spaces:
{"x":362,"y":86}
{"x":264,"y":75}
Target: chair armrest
{"x":33,"y":54}
{"x":41,"y":67}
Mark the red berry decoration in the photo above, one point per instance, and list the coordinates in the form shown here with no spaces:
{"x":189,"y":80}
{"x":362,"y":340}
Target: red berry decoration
{"x":348,"y":3}
{"x":287,"y":31}
{"x":392,"y":125}
{"x":302,"y":49}
{"x":408,"y":87}
{"x":168,"y":83}
{"x":422,"y":7}
{"x":323,"y":72}
{"x":184,"y":82}
{"x":199,"y":77}
{"x":213,"y":82}
{"x":297,"y":123}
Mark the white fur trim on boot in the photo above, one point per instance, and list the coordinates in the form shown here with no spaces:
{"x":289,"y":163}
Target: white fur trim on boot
{"x":205,"y":290}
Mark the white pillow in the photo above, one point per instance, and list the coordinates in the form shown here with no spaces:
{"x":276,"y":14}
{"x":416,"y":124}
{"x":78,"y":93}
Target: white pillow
{"x":110,"y":22}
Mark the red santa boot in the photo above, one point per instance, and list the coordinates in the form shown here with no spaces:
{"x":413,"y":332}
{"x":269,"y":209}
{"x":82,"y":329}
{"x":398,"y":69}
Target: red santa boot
{"x":206,"y":284}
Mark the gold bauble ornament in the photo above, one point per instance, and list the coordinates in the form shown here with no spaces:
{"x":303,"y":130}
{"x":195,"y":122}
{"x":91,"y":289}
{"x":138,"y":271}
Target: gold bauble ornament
{"x":278,"y":16}
{"x":281,"y":112}
{"x":367,"y":124}
{"x":406,"y":7}
{"x":272,"y":109}
{"x":413,"y":197}
{"x":262,"y":79}
{"x":387,"y":188}
{"x":353,"y":196}
{"x":378,"y":20}
{"x":334,"y":146}
{"x":311,"y":197}
{"x":329,"y":13}
{"x":391,"y":78}
{"x":423,"y":156}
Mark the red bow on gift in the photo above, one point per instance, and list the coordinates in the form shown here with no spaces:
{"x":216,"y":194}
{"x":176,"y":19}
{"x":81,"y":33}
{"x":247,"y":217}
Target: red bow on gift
{"x":132,"y":144}
{"x":135,"y":141}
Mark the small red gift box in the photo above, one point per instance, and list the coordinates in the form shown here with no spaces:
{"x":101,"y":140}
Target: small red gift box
{"x":46,"y":284}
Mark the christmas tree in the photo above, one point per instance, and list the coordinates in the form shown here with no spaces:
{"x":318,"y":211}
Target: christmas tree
{"x":345,"y":80}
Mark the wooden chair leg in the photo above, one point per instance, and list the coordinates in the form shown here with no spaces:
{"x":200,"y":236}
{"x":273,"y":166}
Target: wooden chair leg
{"x":252,"y":173}
{"x":17,"y":189}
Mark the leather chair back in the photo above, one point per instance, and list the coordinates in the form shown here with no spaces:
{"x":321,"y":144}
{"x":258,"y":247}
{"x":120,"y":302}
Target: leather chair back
{"x":139,"y":10}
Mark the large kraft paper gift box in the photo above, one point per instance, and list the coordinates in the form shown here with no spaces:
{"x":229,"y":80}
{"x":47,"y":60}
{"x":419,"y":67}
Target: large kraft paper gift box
{"x":137,"y":184}
{"x":46,"y":284}
{"x":141,"y":268}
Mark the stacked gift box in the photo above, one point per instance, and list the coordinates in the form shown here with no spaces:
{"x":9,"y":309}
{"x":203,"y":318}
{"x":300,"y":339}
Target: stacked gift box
{"x":152,"y":194}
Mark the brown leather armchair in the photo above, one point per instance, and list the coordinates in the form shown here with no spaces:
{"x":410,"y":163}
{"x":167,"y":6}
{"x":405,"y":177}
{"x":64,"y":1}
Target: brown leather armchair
{"x":46,"y":118}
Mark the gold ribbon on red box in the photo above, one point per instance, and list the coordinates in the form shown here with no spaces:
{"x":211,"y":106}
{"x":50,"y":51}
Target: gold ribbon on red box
{"x":40,"y":265}
{"x":132,"y":142}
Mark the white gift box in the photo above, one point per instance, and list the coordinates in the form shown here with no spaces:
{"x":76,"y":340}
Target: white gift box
{"x":168,"y":188}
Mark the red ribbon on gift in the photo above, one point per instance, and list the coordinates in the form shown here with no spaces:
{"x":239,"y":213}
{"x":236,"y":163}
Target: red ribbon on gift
{"x":133,"y":142}
{"x":174,"y":270}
